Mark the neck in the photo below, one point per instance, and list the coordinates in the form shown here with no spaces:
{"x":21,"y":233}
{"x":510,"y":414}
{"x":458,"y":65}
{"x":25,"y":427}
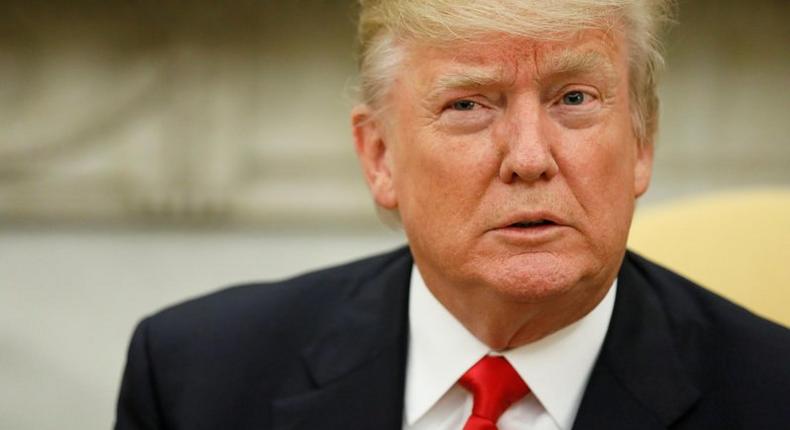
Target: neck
{"x":503,"y":322}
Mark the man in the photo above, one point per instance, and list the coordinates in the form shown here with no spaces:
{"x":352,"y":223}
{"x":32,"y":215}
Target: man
{"x":512,"y":139}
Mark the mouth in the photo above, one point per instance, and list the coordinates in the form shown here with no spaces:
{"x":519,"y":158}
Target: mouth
{"x":532,"y":224}
{"x":531,"y":230}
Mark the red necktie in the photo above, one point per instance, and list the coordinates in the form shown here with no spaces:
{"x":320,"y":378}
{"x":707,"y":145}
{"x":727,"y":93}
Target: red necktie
{"x":495,"y":386}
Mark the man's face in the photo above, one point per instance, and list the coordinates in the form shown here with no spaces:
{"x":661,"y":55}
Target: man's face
{"x":512,"y":163}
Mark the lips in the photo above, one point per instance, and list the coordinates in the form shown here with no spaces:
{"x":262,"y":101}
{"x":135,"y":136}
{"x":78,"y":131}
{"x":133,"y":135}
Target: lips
{"x":528,"y":220}
{"x":528,"y":224}
{"x":530,"y":229}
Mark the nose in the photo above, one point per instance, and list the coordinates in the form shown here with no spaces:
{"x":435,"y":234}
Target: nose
{"x":526,"y":147}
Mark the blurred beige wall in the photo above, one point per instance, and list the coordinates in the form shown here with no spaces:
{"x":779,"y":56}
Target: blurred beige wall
{"x":117,"y":112}
{"x":122,"y":122}
{"x":725,"y":99}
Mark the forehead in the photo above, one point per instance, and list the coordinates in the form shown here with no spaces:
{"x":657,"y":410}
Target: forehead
{"x":511,"y":57}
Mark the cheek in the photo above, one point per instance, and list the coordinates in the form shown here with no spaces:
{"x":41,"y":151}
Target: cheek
{"x":444,"y":173}
{"x":600,"y":173}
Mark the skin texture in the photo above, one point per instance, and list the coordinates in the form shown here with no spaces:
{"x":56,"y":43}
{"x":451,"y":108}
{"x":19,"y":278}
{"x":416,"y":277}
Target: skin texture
{"x":478,"y":136}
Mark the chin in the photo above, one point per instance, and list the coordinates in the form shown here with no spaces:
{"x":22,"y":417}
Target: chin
{"x":537,"y":277}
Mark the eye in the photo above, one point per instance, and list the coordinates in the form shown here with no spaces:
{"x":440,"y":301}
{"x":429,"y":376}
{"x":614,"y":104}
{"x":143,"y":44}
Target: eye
{"x":463,"y":105}
{"x":574,"y":98}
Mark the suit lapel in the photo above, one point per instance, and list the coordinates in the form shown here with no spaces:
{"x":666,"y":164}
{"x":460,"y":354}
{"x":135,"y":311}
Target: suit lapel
{"x":638,"y":380}
{"x":358,"y":360}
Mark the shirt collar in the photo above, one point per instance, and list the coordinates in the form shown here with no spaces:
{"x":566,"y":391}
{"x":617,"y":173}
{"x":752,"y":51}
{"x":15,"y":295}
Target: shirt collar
{"x":556,"y":368}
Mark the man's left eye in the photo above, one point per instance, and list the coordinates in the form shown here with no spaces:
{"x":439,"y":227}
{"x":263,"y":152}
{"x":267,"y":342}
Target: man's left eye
{"x":574,"y":98}
{"x":463,"y":105}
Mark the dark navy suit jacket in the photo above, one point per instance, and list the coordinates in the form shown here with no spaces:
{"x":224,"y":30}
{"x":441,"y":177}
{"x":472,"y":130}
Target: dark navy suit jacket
{"x":327,"y":350}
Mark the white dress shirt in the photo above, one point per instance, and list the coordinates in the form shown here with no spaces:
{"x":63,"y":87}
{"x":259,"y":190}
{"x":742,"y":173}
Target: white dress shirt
{"x":556,"y":368}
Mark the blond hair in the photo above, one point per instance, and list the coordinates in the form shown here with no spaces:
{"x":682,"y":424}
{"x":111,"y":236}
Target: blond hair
{"x":384,"y":22}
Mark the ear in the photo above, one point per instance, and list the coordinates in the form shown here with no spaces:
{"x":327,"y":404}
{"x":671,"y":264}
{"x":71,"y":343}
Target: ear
{"x":643,"y":167}
{"x":374,"y":155}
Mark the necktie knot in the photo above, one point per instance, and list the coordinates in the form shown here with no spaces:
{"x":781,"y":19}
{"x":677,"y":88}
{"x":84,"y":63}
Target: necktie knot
{"x":495,"y":386}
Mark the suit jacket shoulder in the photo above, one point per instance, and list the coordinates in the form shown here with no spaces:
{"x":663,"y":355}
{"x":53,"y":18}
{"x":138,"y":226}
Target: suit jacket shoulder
{"x":678,"y":356}
{"x":251,"y":356}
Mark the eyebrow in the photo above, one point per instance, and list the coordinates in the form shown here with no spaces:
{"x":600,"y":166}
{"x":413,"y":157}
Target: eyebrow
{"x":566,"y":62}
{"x":468,"y":78}
{"x":569,"y":62}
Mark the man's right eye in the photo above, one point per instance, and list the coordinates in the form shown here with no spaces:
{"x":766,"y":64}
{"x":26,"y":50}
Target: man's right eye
{"x":463,"y":105}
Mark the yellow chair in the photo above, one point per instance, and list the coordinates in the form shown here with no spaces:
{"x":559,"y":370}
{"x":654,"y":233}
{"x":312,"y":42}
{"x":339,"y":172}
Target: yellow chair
{"x":735,"y":243}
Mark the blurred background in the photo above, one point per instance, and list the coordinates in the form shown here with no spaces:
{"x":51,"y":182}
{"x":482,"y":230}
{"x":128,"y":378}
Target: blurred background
{"x":151,"y":151}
